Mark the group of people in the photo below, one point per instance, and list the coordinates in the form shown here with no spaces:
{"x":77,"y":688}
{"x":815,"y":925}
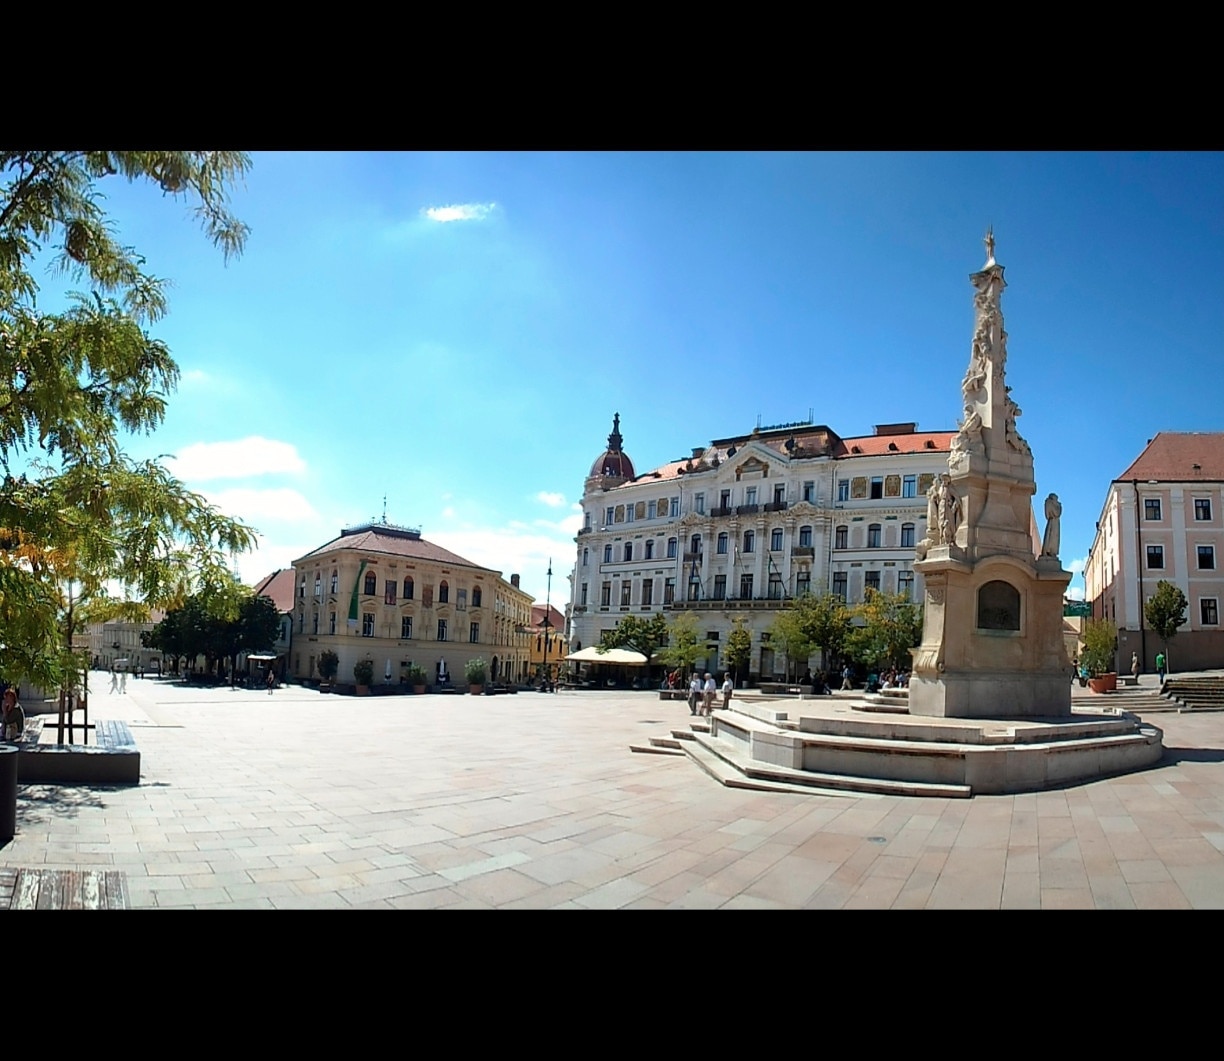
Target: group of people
{"x":702,"y":693}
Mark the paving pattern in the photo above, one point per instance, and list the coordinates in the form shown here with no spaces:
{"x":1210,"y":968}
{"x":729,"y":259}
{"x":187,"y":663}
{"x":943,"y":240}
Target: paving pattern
{"x":535,"y":801}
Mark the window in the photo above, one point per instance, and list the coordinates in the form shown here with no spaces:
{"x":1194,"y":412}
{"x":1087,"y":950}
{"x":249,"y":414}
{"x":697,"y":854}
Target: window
{"x":334,"y":578}
{"x":843,"y":489}
{"x":699,"y":503}
{"x":841,"y":537}
{"x":694,"y":588}
{"x":1202,"y":508}
{"x":630,"y":513}
{"x":809,"y":493}
{"x":907,"y":535}
{"x":1209,"y":611}
{"x":586,"y":557}
{"x":775,"y":585}
{"x":371,"y":584}
{"x":626,"y":590}
{"x":669,"y":591}
{"x":905,"y":584}
{"x":367,"y":624}
{"x":474,"y":633}
{"x":608,"y":516}
{"x":1206,"y":557}
{"x":608,"y":553}
{"x":695,"y":543}
{"x":605,"y":595}
{"x":331,"y":626}
{"x":647,"y":592}
{"x":839,"y":585}
{"x":406,"y":627}
{"x":628,"y":550}
{"x":674,"y":510}
{"x":389,"y":588}
{"x":476,"y":597}
{"x":318,"y":585}
{"x":803,"y":583}
{"x":1151,"y":508}
{"x":314,"y":623}
{"x":745,"y":587}
{"x":302,"y":589}
{"x":873,"y":536}
{"x":724,"y":499}
{"x":721,"y":544}
{"x":750,"y":496}
{"x":779,"y":494}
{"x":1155,"y":556}
{"x":672,"y":545}
{"x":877,"y":487}
{"x":652,"y":509}
{"x":441,"y":629}
{"x":443,"y":592}
{"x":909,"y":486}
{"x":775,"y":540}
{"x":408,"y":587}
{"x":649,"y":548}
{"x":586,"y":520}
{"x":583,"y":600}
{"x":461,"y":600}
{"x":805,"y":537}
{"x":749,"y":541}
{"x":720,"y":587}
{"x":871,"y":580}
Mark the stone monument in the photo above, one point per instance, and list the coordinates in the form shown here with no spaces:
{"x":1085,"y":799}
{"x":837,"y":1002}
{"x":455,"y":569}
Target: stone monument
{"x":992,"y":644}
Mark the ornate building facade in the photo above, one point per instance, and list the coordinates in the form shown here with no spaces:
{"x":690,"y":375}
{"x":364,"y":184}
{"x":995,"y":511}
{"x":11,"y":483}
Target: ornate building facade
{"x":749,"y":522}
{"x":383,"y":593}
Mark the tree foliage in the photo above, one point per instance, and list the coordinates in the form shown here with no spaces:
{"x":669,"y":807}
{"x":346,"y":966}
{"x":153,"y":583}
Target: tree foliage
{"x":888,"y":626}
{"x":1100,"y":637}
{"x":640,"y":635}
{"x":217,"y":625}
{"x":685,"y":644}
{"x":1165,"y":611}
{"x":812,"y":623}
{"x":76,"y":513}
{"x":739,"y":647}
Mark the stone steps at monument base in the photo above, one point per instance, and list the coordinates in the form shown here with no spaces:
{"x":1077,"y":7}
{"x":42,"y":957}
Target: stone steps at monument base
{"x":654,"y":749}
{"x":1196,"y":694}
{"x":730,"y":776}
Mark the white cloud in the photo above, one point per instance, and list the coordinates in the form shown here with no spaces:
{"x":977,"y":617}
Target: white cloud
{"x":517,"y":550}
{"x":550,"y":498}
{"x":459,"y":212}
{"x":448,"y":512}
{"x":196,"y":375}
{"x":265,"y":506}
{"x":235,"y":460}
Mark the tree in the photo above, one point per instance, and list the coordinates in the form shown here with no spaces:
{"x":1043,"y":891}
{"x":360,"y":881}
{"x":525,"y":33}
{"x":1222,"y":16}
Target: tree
{"x":789,"y":634}
{"x":891,"y":625}
{"x":1100,"y":638}
{"x":1165,"y":611}
{"x":685,"y":646}
{"x":76,"y":513}
{"x":328,"y":664}
{"x":739,"y":647}
{"x":826,"y":621}
{"x":641,"y":635}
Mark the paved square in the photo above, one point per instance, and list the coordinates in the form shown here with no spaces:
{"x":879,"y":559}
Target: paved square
{"x":535,"y":801}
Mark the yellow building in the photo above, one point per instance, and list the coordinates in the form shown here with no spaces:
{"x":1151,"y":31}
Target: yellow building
{"x":382,"y":592}
{"x":547,"y":641}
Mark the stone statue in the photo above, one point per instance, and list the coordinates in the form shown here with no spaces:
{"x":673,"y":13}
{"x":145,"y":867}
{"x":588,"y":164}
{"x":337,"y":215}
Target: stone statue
{"x":990,"y":245}
{"x":975,"y":376}
{"x":1050,"y":541}
{"x":1010,"y":431}
{"x":948,"y":510}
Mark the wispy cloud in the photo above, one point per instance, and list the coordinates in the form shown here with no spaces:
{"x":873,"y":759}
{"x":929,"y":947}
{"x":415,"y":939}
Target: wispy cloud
{"x":236,"y":460}
{"x":258,"y":507}
{"x":459,"y":212}
{"x":551,"y":499}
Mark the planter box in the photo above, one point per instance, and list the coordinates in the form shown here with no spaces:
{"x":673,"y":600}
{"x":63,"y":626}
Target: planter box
{"x":1104,"y":683}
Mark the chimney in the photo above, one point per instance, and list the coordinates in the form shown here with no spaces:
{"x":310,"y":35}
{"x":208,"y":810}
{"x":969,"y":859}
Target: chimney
{"x":514,"y":581}
{"x":698,"y":451}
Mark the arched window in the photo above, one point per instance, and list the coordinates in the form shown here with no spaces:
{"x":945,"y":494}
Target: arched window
{"x":907,"y":535}
{"x":649,"y":548}
{"x":873,"y":536}
{"x":722,"y":542}
{"x":841,"y":538}
{"x":443,"y":592}
{"x":805,"y":537}
{"x":775,"y":540}
{"x":695,"y":543}
{"x":998,"y":606}
{"x":476,"y":597}
{"x":586,"y":557}
{"x":749,"y":541}
{"x":608,"y":553}
{"x":672,"y":545}
{"x":628,"y":550}
{"x":334,"y":579}
{"x":408,"y":587}
{"x":371,"y":584}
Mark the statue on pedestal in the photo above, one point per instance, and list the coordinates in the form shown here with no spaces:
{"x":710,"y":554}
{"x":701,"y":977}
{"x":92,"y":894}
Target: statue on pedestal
{"x":1050,"y":540}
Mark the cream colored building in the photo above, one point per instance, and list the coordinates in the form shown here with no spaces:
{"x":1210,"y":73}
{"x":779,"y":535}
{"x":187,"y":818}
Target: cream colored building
{"x":749,"y":522}
{"x":383,"y":593}
{"x":1163,"y":519}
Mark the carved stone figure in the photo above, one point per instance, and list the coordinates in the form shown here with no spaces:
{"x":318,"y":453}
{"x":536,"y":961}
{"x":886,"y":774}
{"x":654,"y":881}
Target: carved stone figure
{"x":949,"y":510}
{"x":975,"y":376}
{"x":1050,"y":541}
{"x":1011,"y":432}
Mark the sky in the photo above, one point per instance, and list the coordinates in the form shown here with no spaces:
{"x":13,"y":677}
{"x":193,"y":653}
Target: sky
{"x":453,"y":331}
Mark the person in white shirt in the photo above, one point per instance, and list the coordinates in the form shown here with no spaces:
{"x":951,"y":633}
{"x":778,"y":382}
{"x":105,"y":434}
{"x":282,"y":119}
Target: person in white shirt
{"x":709,"y":692}
{"x":727,"y":688}
{"x":694,"y":694}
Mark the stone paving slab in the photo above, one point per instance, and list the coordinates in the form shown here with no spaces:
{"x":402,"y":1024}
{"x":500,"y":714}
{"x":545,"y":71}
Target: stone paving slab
{"x":250,"y":801}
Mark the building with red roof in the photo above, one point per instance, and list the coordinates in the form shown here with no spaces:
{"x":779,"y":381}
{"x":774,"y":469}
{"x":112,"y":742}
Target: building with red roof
{"x":1163,"y":519}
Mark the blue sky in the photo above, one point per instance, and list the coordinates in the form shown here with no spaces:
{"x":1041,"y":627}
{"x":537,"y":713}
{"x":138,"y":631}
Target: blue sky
{"x":455,"y":330}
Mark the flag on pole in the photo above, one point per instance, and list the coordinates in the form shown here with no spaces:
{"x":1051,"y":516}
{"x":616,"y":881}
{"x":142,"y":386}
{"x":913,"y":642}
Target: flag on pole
{"x":352,"y":615}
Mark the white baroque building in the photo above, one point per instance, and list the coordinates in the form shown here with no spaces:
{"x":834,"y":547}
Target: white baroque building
{"x":747,"y":523}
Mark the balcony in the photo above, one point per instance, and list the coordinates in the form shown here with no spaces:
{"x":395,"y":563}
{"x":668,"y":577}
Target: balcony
{"x":776,"y":506}
{"x":747,"y":510}
{"x":692,"y":557}
{"x":803,"y":550}
{"x":722,"y":510}
{"x":584,"y":530}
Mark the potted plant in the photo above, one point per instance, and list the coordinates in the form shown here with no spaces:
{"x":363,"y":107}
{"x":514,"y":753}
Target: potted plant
{"x":1100,"y":643}
{"x":416,"y":678}
{"x":474,"y":672}
{"x":363,"y":671}
{"x":329,"y":663}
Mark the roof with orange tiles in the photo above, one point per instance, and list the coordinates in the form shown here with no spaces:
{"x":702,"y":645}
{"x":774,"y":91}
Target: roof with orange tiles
{"x":389,"y":541}
{"x":1180,"y":457}
{"x":555,"y":618}
{"x":882,"y":445}
{"x":278,"y":588}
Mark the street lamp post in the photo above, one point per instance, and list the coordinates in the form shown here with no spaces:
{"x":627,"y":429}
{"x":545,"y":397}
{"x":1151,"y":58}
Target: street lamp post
{"x":547,"y":623}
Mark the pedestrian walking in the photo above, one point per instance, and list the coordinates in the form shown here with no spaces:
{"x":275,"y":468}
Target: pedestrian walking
{"x":1135,"y":665}
{"x":727,"y":689}
{"x":694,"y":697}
{"x":1160,"y":667}
{"x":847,"y":674}
{"x":114,"y":681}
{"x":709,"y":691}
{"x":123,"y":681}
{"x":271,"y":680}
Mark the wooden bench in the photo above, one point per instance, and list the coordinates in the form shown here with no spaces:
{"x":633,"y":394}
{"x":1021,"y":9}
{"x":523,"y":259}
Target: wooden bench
{"x":64,"y":889}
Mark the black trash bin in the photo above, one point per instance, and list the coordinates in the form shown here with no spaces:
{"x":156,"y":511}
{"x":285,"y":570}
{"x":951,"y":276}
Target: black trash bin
{"x":8,"y":792}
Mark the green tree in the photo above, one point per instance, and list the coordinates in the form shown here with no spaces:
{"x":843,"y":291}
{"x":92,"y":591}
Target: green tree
{"x":329,"y":663}
{"x":640,"y":635}
{"x":1165,"y":611}
{"x":789,"y":634}
{"x":1100,"y":639}
{"x":889,"y":625}
{"x":827,"y":623}
{"x":76,"y":513}
{"x":685,"y":644}
{"x":739,"y":647}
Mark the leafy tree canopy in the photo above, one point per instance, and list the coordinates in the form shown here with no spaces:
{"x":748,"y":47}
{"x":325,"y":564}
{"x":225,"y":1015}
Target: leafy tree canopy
{"x":76,"y":513}
{"x":739,"y":647}
{"x":685,"y":644}
{"x":1165,"y":611}
{"x":640,"y":635}
{"x":888,"y":626}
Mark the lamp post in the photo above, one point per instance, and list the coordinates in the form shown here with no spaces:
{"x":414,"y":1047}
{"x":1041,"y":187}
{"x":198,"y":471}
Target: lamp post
{"x":547,"y":623}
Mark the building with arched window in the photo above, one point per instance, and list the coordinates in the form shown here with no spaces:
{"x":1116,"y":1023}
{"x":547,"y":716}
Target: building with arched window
{"x":397,"y":599}
{"x":791,"y":510}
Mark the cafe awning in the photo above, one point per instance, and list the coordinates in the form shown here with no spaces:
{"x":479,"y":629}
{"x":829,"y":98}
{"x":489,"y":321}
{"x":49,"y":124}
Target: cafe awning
{"x":591,"y":654}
